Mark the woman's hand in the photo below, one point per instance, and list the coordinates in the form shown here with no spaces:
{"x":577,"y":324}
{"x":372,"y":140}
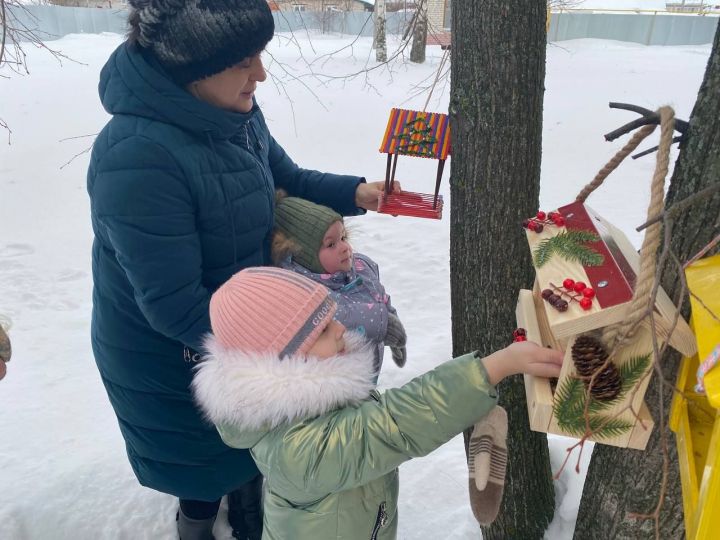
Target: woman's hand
{"x":366,"y":194}
{"x":523,"y":357}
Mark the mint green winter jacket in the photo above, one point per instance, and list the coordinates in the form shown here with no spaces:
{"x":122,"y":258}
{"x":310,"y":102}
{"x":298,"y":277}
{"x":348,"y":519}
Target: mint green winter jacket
{"x":327,"y":443}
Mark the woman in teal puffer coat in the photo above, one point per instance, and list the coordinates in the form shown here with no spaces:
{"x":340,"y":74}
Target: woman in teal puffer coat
{"x":284,"y":380}
{"x":181,"y":184}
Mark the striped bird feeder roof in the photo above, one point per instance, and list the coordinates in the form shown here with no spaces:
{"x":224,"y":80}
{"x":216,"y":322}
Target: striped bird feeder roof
{"x":417,"y":133}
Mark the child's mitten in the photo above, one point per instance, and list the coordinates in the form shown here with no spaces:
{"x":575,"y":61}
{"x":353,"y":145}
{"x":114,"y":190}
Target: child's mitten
{"x":399,"y":355}
{"x":487,"y":459}
{"x":396,"y":339}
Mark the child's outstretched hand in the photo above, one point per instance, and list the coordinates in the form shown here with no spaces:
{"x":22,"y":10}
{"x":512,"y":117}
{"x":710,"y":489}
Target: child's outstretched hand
{"x":522,"y":357}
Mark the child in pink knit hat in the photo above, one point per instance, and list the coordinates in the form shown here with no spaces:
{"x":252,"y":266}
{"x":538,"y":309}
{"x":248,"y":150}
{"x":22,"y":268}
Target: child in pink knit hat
{"x":285,"y":380}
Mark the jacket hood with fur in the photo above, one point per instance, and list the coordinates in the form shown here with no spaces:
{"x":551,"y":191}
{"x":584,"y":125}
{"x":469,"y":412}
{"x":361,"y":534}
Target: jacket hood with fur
{"x":257,"y":391}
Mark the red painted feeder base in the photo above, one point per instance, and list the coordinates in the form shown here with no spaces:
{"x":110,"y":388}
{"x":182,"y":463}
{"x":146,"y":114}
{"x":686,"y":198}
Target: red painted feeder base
{"x":412,"y":204}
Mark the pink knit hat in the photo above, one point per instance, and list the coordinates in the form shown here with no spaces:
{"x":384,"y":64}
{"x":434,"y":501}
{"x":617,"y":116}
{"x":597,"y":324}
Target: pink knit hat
{"x":270,"y":310}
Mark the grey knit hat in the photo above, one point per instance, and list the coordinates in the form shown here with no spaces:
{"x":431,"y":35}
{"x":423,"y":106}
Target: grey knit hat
{"x":305,"y":224}
{"x":194,"y":39}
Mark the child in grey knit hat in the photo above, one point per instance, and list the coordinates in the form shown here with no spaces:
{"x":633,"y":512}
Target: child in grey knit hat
{"x":311,"y":240}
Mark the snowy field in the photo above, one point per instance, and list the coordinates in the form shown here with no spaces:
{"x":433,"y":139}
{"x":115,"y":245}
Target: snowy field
{"x":64,"y":474}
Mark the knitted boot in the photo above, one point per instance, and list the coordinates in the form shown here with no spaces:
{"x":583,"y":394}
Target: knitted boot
{"x":194,"y":529}
{"x":487,"y":459}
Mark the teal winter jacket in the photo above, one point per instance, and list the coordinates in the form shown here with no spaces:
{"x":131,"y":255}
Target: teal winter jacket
{"x":327,"y":443}
{"x":182,"y":197}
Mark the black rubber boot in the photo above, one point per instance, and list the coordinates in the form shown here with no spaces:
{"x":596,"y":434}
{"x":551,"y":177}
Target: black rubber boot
{"x":245,"y":510}
{"x":194,"y":529}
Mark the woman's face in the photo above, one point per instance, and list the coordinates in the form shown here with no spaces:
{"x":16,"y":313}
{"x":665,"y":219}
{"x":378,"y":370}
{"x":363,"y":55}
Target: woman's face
{"x":232,"y":89}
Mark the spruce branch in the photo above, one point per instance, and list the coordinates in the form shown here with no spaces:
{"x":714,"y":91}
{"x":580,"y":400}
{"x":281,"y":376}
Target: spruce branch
{"x":569,"y":245}
{"x":571,"y":403}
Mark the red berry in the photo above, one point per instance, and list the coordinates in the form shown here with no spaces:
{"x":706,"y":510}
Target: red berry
{"x":559,"y":221}
{"x":520,"y":338}
{"x":588,"y":292}
{"x":568,"y":284}
{"x":552,"y":215}
{"x":531,"y":225}
{"x":525,"y":223}
{"x":541,"y":214}
{"x":586,"y":303}
{"x":579,"y":286}
{"x":519,"y":332}
{"x":539,"y":227}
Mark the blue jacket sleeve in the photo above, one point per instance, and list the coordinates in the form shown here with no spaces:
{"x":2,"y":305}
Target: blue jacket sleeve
{"x":146,"y":216}
{"x":333,"y":190}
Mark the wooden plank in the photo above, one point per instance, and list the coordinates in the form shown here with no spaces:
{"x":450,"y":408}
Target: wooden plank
{"x":547,"y":337}
{"x":617,"y":275}
{"x":640,"y":345}
{"x":682,"y":339}
{"x":539,"y":394}
{"x":575,"y":320}
{"x":642,"y":431}
{"x":537,"y":389}
{"x":623,"y":264}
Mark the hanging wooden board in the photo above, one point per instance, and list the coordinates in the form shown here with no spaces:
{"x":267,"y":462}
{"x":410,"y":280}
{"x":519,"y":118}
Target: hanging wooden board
{"x":540,"y":396}
{"x":613,"y":280}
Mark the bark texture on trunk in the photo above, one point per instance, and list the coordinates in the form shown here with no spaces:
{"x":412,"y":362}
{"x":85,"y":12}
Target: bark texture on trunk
{"x":498,"y":71}
{"x":380,"y":34}
{"x":417,"y":50}
{"x":620,"y":482}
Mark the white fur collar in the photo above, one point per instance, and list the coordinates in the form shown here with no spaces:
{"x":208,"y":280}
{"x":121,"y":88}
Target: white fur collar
{"x":259,"y":391}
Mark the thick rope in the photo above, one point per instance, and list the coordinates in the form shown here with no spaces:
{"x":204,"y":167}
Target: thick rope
{"x":615,"y":335}
{"x":624,"y":152}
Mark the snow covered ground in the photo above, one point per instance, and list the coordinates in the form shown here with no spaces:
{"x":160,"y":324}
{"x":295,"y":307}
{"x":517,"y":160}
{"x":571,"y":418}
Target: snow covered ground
{"x":63,"y":469}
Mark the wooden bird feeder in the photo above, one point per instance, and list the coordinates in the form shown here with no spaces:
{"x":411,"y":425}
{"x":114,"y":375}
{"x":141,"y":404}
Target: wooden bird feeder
{"x":415,"y":134}
{"x":586,"y":287}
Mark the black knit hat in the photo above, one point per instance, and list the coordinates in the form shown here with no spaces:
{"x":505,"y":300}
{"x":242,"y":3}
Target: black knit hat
{"x":194,"y":39}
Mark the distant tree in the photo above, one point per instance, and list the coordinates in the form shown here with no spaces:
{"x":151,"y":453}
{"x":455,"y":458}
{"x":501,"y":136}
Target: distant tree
{"x":380,"y":32}
{"x":420,"y":30}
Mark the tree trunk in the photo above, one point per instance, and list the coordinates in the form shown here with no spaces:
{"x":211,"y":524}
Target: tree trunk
{"x":380,"y":35}
{"x":417,"y":51}
{"x":623,"y":481}
{"x":496,"y":104}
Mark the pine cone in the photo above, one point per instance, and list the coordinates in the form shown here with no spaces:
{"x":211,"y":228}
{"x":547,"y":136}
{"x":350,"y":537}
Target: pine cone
{"x":589,"y":355}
